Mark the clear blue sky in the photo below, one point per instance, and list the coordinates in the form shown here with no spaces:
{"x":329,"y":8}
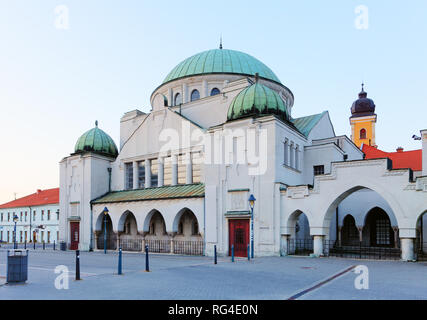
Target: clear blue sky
{"x":55,"y":83}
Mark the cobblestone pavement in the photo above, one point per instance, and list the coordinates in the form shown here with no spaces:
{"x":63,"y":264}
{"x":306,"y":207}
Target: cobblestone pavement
{"x":183,"y":277}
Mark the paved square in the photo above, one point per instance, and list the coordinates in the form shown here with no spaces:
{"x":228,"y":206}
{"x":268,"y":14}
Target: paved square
{"x":184,"y":277}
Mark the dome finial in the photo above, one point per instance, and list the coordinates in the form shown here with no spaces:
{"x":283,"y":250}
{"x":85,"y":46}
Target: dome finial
{"x":220,"y":42}
{"x":96,"y":123}
{"x":363,"y":93}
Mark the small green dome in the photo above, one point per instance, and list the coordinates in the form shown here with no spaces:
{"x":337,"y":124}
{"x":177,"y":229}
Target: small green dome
{"x":97,"y":141}
{"x":257,"y":100}
{"x":218,"y":61}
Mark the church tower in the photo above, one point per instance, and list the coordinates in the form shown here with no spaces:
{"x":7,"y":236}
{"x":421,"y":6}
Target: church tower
{"x":362,"y":120}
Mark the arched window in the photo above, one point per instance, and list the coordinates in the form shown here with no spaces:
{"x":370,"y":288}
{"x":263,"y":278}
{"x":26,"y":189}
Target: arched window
{"x":195,"y":95}
{"x":215,"y":91}
{"x":178,"y":99}
{"x":363,"y":134}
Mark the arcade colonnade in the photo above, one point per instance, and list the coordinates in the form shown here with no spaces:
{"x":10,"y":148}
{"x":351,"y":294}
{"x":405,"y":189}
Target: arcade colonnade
{"x":168,"y":226}
{"x":407,"y":198}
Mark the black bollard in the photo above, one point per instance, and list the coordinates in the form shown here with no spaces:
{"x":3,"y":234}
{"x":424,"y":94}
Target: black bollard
{"x":147,"y":264}
{"x":44,"y":246}
{"x":232,"y":253}
{"x":215,"y":255}
{"x":78,"y":265}
{"x":25,"y":244}
{"x":120,"y":261}
{"x":34,"y":245}
{"x":54,"y":245}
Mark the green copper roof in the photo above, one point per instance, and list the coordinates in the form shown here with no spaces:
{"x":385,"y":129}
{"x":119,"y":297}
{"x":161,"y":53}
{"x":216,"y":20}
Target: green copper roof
{"x":96,"y":140}
{"x":221,"y":61}
{"x":257,"y":100}
{"x":167,"y":192}
{"x":306,"y":124}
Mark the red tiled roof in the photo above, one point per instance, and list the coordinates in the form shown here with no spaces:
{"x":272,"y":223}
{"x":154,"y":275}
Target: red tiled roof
{"x":41,"y":197}
{"x":401,"y":160}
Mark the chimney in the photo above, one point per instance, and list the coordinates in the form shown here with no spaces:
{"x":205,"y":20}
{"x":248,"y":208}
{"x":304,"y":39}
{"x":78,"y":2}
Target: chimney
{"x":399,"y":149}
{"x":424,"y":161}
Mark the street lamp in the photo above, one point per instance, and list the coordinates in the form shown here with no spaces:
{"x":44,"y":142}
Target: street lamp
{"x":252,"y":204}
{"x":105,"y":229}
{"x":15,"y":219}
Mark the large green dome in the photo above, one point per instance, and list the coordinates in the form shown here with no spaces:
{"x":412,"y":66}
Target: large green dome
{"x":221,"y":61}
{"x":97,"y":141}
{"x":257,"y":100}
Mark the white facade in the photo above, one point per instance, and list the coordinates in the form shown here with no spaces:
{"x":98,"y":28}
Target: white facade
{"x":272,"y":159}
{"x":39,"y":223}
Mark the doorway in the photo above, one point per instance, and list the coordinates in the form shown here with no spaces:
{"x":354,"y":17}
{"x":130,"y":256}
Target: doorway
{"x":239,"y":236}
{"x":74,"y":234}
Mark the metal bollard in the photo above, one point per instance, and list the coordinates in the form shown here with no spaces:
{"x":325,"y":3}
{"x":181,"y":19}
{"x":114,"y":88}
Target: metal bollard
{"x":34,"y":245}
{"x":215,"y":255}
{"x":44,"y":246}
{"x":120,"y":261}
{"x":249,"y":256}
{"x":147,"y":263}
{"x":78,"y":265}
{"x":54,"y":245}
{"x":232,"y":253}
{"x":25,"y":244}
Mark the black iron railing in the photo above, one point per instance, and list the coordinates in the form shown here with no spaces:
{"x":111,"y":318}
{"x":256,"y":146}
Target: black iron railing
{"x":111,"y":242}
{"x":302,"y":247}
{"x":194,"y":248}
{"x":158,"y":246}
{"x":420,"y":250}
{"x":131,"y":244}
{"x":331,"y":248}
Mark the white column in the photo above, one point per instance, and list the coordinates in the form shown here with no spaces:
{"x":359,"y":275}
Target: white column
{"x":170,"y":97}
{"x":292,"y":155}
{"x":407,"y":245}
{"x":205,"y":92}
{"x":318,"y":246}
{"x":135,"y":175}
{"x":148,"y":173}
{"x":189,"y":168}
{"x":286,"y":152}
{"x":284,"y":245}
{"x":174,"y":169}
{"x":184,"y":93}
{"x":297,"y":157}
{"x":161,"y":171}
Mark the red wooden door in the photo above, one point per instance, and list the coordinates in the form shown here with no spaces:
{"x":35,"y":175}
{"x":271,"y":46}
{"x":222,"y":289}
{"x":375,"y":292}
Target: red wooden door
{"x":74,"y":233}
{"x":239,"y":236}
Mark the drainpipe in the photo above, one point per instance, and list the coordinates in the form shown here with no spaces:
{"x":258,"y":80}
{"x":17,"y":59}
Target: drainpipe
{"x":91,"y":228}
{"x":204,"y":224}
{"x":109,"y":179}
{"x":31,"y":237}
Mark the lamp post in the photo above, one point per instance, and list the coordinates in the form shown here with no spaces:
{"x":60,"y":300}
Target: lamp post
{"x":15,"y":220}
{"x":105,"y":229}
{"x":252,"y":204}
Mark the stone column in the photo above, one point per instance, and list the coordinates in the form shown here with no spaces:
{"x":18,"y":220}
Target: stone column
{"x":205,"y":92}
{"x":318,"y":246}
{"x":189,"y":168}
{"x":135,"y":175}
{"x":284,"y":245}
{"x":396,"y":237}
{"x":161,"y":171}
{"x":296,"y":161}
{"x":148,"y":173}
{"x":407,"y":245}
{"x":360,"y":229}
{"x":286,"y":152}
{"x":292,"y":155}
{"x":339,"y":236}
{"x":170,"y":97}
{"x":174,"y":169}
{"x":185,"y":93}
